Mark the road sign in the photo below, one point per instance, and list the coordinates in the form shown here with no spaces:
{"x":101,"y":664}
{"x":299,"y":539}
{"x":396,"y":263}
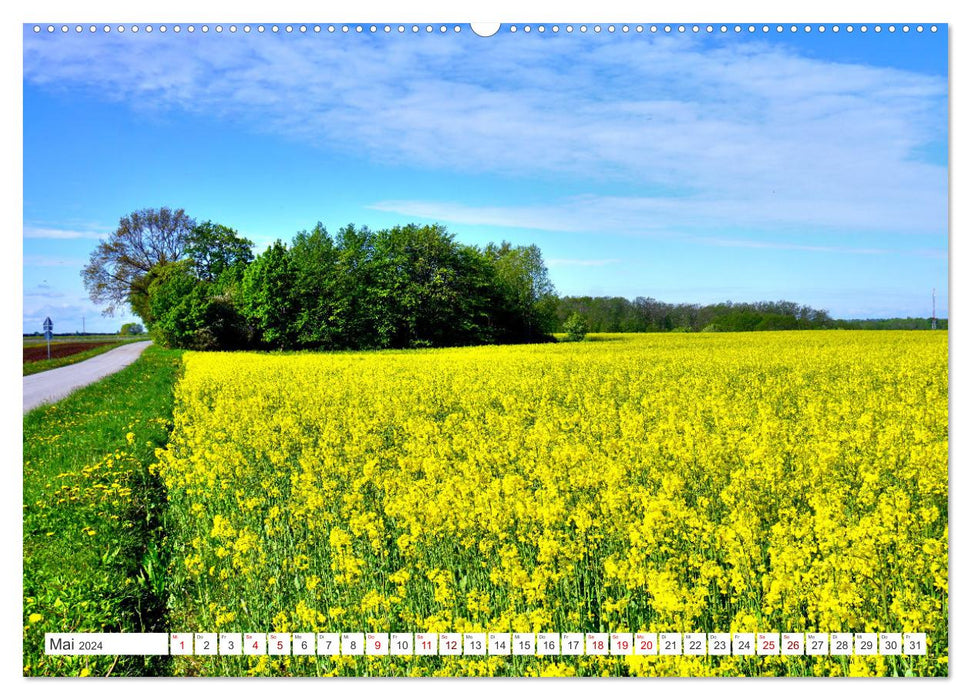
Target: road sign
{"x":48,"y":334}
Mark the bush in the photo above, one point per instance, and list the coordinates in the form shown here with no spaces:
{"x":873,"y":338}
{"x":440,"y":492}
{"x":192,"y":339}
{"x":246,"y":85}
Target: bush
{"x":575,"y":327}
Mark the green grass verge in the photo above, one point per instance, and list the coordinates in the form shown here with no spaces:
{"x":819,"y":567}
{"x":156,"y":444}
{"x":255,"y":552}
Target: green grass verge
{"x":93,"y":553}
{"x":44,"y":365}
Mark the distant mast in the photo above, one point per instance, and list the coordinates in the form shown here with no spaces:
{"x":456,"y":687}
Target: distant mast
{"x":934,"y":309}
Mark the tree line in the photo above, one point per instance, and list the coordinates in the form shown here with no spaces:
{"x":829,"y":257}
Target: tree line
{"x":647,"y":315}
{"x":199,"y":285}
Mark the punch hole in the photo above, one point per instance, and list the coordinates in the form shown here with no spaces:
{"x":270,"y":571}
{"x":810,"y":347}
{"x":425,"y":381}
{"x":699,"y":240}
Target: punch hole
{"x":485,"y":29}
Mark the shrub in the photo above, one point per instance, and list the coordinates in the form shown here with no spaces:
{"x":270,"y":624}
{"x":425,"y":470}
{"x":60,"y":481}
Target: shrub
{"x":575,"y":327}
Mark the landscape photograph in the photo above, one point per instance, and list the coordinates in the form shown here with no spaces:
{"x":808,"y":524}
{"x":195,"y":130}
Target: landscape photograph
{"x":514,"y":350}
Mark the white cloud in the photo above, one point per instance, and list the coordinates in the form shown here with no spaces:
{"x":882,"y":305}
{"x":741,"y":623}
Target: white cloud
{"x":686,"y":219}
{"x":745,"y":133}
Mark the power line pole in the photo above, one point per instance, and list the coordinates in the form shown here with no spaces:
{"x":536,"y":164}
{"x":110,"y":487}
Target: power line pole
{"x":934,"y":309}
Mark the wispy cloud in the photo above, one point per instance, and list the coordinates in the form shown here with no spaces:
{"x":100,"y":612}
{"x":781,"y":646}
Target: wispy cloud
{"x":61,"y":233}
{"x":684,"y":219}
{"x":52,"y":261}
{"x":701,"y":130}
{"x":567,"y":262}
{"x":736,"y":243}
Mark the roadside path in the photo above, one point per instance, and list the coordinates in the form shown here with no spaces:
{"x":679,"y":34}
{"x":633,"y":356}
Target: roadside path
{"x":54,"y":384}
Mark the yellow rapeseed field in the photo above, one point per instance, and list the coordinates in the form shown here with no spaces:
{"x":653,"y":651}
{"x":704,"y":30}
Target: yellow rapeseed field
{"x":673,"y":482}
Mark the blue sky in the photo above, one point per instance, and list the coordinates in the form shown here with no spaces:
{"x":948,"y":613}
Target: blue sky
{"x":686,"y":167}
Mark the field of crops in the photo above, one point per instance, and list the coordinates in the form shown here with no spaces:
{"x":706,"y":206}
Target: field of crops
{"x":676,"y":482}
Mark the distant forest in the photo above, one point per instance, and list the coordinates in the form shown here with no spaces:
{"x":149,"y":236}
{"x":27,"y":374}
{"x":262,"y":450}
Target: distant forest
{"x":647,"y":315}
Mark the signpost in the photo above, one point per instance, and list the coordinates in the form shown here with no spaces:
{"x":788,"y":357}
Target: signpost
{"x":48,"y":333}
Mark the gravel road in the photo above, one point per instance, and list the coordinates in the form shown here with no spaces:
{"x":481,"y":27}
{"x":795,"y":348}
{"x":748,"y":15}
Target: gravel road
{"x":53,"y":385}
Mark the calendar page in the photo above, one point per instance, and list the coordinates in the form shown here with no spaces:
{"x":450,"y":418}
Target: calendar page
{"x":546,"y":348}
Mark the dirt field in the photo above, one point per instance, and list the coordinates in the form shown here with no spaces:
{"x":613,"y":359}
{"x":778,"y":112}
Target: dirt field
{"x":35,"y":353}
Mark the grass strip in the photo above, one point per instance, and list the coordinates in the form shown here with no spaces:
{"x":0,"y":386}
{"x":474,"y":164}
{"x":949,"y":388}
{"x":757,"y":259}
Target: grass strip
{"x":92,"y":554}
{"x":54,"y":363}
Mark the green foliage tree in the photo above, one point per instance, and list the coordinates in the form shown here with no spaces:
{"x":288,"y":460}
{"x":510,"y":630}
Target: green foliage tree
{"x":131,"y":329}
{"x":268,"y":302}
{"x":217,"y":250}
{"x":313,"y":258}
{"x":190,"y":313}
{"x":528,"y":296}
